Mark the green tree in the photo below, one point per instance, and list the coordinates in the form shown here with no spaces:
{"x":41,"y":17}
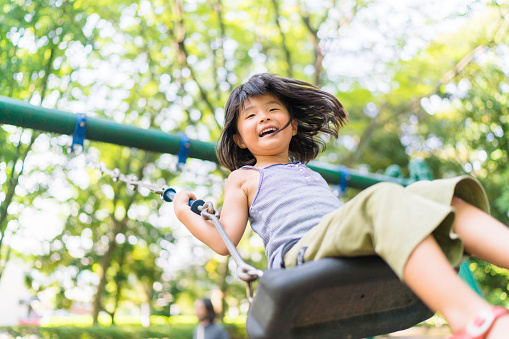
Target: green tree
{"x":35,"y":36}
{"x":170,"y":65}
{"x":459,"y":125}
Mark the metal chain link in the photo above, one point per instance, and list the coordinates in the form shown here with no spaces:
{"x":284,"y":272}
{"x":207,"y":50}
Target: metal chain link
{"x":245,"y":272}
{"x":117,"y":176}
{"x":130,"y":179}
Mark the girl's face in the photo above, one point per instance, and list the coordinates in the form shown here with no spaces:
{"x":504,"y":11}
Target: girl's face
{"x":257,"y":124}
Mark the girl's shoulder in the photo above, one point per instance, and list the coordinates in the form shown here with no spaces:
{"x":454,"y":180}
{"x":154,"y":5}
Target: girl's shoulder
{"x":246,"y":179}
{"x":243,"y":175}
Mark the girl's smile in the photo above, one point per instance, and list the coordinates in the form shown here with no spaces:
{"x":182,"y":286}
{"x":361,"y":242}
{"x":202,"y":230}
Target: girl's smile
{"x":263,"y":127}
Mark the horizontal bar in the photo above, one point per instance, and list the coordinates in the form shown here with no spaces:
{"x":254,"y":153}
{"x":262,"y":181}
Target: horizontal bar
{"x":19,"y":113}
{"x":356,"y":179}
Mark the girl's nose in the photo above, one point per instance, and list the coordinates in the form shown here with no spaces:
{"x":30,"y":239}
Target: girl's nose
{"x":264,"y":118}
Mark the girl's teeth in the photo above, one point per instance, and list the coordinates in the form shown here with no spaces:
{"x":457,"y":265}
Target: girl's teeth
{"x":268,"y":131}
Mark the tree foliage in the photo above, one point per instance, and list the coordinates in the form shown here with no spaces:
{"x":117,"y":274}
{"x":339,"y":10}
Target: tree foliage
{"x":170,"y":65}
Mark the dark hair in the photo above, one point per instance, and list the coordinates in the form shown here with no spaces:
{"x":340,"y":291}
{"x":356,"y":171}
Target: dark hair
{"x":211,"y":314}
{"x":317,"y":112}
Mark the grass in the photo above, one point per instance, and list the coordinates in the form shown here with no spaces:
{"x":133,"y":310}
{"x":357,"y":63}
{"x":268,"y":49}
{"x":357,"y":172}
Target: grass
{"x":80,"y":327}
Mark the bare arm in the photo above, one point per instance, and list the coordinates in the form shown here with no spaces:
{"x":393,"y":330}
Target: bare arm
{"x":234,"y":214}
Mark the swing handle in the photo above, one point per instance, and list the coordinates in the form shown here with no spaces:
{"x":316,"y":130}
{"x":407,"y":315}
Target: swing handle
{"x":169,"y":194}
{"x":245,"y":271}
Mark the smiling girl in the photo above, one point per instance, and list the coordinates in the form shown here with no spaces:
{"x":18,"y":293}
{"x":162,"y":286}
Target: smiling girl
{"x":273,"y":127}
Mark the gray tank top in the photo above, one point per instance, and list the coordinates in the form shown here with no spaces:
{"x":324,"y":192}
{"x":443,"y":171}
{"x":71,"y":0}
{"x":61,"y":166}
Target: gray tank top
{"x":289,"y":201}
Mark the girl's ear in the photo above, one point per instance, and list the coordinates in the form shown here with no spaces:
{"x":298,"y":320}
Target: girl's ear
{"x":238,"y":140}
{"x":295,"y":124}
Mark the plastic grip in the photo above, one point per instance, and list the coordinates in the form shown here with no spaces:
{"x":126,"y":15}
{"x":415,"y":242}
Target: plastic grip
{"x":169,"y":194}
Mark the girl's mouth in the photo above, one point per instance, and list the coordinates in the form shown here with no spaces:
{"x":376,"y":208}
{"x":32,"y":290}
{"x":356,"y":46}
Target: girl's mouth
{"x":267,"y":131}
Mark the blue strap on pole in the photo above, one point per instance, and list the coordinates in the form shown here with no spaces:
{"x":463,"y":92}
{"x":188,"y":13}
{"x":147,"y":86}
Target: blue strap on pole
{"x":343,"y":181}
{"x":78,"y":137}
{"x":185,"y":145}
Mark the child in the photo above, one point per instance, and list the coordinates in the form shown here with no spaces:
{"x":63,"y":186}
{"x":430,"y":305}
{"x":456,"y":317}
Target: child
{"x":273,"y":126}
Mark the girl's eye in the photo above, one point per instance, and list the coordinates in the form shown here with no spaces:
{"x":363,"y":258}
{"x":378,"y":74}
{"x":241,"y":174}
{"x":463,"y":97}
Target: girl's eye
{"x":250,"y":116}
{"x":274,"y":109}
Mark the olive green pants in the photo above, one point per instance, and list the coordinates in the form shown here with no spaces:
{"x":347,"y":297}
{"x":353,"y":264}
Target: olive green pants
{"x":390,"y":220}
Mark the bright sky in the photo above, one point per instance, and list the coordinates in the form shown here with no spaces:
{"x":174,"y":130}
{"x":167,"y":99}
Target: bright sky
{"x":378,"y":30}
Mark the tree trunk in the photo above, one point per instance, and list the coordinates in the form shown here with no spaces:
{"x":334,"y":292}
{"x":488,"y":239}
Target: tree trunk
{"x":105,"y":264}
{"x":13,"y":182}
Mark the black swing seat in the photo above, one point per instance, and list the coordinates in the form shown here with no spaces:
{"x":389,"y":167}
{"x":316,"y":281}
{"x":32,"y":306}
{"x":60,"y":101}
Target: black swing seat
{"x":333,"y":298}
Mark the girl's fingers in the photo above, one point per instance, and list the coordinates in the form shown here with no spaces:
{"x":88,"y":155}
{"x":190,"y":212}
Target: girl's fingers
{"x":183,"y":197}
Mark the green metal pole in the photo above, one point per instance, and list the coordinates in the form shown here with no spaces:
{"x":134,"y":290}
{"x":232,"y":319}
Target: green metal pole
{"x":356,"y":179}
{"x":19,"y":113}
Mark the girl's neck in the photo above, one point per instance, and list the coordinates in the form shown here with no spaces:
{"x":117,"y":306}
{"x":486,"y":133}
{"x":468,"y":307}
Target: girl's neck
{"x":262,"y":162}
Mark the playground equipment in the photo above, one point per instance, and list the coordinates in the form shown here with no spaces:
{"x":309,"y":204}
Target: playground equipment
{"x":329,"y":298}
{"x":21,"y":114}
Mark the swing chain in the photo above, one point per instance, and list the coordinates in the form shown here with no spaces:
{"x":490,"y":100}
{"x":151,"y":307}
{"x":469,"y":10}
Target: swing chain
{"x":128,"y":179}
{"x":249,"y":292}
{"x":245,"y":271}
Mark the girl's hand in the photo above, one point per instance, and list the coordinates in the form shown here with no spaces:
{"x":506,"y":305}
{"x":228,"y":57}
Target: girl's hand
{"x":234,"y":215}
{"x":181,"y":202}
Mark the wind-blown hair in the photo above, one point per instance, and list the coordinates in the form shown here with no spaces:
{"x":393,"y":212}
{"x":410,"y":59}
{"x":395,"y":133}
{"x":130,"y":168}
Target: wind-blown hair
{"x":318,"y":114}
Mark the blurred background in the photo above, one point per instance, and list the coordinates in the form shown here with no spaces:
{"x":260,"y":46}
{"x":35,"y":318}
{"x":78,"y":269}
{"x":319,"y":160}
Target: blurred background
{"x":421,"y":80}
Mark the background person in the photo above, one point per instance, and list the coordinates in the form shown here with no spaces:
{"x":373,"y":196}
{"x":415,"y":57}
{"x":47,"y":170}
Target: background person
{"x":207,"y":328}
